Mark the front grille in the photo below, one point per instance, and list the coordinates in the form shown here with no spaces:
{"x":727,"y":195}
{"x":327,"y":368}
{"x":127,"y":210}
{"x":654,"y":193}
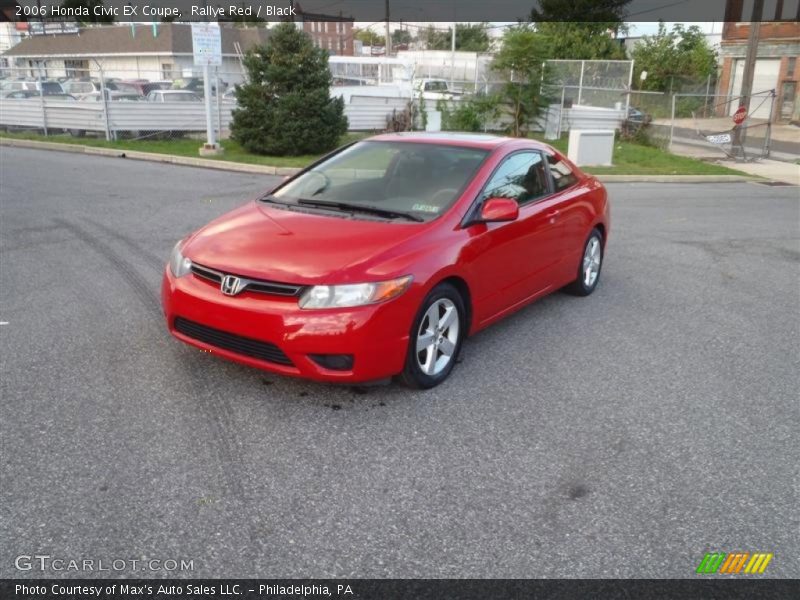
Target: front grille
{"x":229,"y":341}
{"x":253,"y":285}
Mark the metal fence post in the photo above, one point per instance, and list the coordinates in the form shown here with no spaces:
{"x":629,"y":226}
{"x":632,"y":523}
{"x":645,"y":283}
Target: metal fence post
{"x":580,"y":83}
{"x":219,"y":105}
{"x":768,"y":135}
{"x":41,"y":99}
{"x":105,"y":102}
{"x":630,"y":89}
{"x":672,"y":122}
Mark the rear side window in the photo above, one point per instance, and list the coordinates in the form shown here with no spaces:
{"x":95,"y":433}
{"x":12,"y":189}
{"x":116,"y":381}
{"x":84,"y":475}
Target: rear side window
{"x":521,"y":176}
{"x":563,"y":177}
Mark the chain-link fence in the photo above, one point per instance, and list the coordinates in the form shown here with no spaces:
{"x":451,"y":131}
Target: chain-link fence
{"x":82,"y":98}
{"x":723,"y":124}
{"x":598,"y":83}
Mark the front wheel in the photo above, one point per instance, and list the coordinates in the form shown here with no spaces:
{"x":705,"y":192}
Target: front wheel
{"x":435,"y":340}
{"x":589,"y":269}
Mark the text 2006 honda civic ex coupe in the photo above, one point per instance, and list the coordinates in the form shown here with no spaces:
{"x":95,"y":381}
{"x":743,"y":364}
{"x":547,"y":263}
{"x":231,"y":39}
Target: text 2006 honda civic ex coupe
{"x":379,"y":259}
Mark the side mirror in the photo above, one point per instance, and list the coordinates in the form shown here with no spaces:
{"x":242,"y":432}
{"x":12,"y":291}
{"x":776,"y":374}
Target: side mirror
{"x":499,"y":209}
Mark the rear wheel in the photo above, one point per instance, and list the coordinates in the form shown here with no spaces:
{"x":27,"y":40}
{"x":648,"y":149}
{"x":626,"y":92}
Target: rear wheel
{"x":436,"y":337}
{"x":589,"y":269}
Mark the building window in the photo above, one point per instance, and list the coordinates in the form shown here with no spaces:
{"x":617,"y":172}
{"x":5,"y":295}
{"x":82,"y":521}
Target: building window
{"x":790,"y":66}
{"x":76,"y":69}
{"x":167,"y":71}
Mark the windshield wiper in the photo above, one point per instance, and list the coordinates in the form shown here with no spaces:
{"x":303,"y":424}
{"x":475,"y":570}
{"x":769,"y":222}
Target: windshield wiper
{"x":273,"y":200}
{"x":375,"y":210}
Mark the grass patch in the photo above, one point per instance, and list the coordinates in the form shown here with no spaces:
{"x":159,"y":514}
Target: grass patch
{"x":185,"y":147}
{"x":629,"y":158}
{"x":635,"y":159}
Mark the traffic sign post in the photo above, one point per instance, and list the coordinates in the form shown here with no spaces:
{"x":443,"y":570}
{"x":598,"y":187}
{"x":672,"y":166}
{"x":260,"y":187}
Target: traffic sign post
{"x":207,"y":50}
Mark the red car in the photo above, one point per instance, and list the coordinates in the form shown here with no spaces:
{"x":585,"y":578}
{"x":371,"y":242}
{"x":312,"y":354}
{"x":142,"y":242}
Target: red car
{"x":378,"y":260}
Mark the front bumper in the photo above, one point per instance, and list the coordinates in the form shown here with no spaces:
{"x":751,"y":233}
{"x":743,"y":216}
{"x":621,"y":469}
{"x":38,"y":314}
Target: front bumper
{"x":376,"y":336}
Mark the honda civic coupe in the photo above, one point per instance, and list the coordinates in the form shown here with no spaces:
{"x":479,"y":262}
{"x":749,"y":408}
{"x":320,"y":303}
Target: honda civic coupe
{"x":378,"y":260}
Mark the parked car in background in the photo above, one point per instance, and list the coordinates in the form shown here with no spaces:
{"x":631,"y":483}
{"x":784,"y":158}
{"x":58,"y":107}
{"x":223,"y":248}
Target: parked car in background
{"x":130,"y":86}
{"x":379,"y":260}
{"x":173,"y":96}
{"x":433,"y":89}
{"x":142,"y":86}
{"x":638,"y":117}
{"x":112,"y":96}
{"x":21,"y":94}
{"x":11,"y":85}
{"x":196,"y":85}
{"x":81,"y":87}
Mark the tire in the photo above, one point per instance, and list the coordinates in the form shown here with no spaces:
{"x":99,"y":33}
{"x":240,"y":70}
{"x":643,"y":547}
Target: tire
{"x":432,"y":365}
{"x":589,"y":268}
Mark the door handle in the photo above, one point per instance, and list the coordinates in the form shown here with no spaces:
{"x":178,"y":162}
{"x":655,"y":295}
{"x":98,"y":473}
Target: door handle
{"x":553,"y":214}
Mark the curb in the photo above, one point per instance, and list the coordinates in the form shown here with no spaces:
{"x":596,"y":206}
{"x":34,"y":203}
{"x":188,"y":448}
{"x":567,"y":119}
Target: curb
{"x":186,"y":161}
{"x":222,"y":165}
{"x":676,"y":178}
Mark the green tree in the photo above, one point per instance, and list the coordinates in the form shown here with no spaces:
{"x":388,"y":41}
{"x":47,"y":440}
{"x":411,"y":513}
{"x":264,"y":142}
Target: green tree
{"x":582,"y":29}
{"x":401,"y":36}
{"x":520,"y":62}
{"x":585,"y":41}
{"x":470,"y":37}
{"x":285,"y":107}
{"x":674,"y":58}
{"x":369,"y":37}
{"x":605,"y":12}
{"x":90,"y":6}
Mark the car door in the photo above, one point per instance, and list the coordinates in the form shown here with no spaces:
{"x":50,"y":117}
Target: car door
{"x":512,"y":262}
{"x":570,"y":199}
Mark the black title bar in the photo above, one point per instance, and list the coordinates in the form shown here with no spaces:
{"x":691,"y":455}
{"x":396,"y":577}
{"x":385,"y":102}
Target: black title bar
{"x":496,"y":11}
{"x":388,"y":589}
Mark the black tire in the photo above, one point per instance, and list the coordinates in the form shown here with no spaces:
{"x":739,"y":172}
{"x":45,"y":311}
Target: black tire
{"x":413,"y":376}
{"x":579,"y":287}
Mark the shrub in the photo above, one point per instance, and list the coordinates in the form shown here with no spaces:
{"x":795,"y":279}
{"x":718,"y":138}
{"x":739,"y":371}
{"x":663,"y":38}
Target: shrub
{"x":285,"y":107}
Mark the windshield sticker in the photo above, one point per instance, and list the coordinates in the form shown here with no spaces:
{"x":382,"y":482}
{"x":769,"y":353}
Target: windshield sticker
{"x":425,"y":208}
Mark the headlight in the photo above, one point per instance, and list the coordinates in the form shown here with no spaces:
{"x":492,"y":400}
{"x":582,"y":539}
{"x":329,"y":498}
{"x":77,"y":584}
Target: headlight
{"x":356,"y":294}
{"x":178,"y":264}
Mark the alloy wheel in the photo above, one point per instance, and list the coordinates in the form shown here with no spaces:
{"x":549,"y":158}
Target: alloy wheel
{"x":437,"y":338}
{"x":591,"y":261}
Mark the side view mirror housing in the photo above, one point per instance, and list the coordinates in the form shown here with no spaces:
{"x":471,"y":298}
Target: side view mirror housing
{"x":495,"y":210}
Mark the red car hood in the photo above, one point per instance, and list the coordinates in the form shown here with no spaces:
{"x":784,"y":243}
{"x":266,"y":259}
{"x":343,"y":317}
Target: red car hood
{"x":262,"y":242}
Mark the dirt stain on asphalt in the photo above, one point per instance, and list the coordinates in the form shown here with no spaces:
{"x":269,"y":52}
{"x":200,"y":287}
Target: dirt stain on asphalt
{"x":577,"y":490}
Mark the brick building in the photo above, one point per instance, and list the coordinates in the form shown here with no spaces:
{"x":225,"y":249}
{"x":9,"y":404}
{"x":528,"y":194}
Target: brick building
{"x":329,"y":32}
{"x":777,"y":59}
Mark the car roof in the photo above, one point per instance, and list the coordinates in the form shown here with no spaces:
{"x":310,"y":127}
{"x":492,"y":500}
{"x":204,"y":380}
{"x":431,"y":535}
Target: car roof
{"x":444,"y":138}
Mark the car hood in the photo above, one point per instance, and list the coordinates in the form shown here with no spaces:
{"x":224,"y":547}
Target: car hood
{"x":263,"y":242}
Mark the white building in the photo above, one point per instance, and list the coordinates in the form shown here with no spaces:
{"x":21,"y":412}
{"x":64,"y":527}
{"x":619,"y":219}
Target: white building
{"x":129,"y":51}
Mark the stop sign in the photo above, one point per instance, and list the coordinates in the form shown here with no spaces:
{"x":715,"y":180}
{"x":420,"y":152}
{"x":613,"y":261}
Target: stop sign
{"x":740,"y":115}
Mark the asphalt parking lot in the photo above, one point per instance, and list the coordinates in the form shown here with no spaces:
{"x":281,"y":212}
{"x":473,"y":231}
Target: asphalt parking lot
{"x":620,"y":435}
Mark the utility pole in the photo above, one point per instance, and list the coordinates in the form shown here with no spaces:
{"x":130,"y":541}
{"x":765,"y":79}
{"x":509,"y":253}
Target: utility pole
{"x":749,"y":68}
{"x":388,"y":41}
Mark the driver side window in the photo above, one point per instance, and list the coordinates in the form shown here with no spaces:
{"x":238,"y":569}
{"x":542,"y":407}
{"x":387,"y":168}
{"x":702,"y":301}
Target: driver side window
{"x":522,"y":176}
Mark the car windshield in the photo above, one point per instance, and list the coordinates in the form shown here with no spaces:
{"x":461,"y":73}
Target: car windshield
{"x":395,"y":178}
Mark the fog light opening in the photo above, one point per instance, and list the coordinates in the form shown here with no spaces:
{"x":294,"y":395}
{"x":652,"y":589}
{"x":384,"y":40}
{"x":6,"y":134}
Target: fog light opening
{"x":333,"y":362}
